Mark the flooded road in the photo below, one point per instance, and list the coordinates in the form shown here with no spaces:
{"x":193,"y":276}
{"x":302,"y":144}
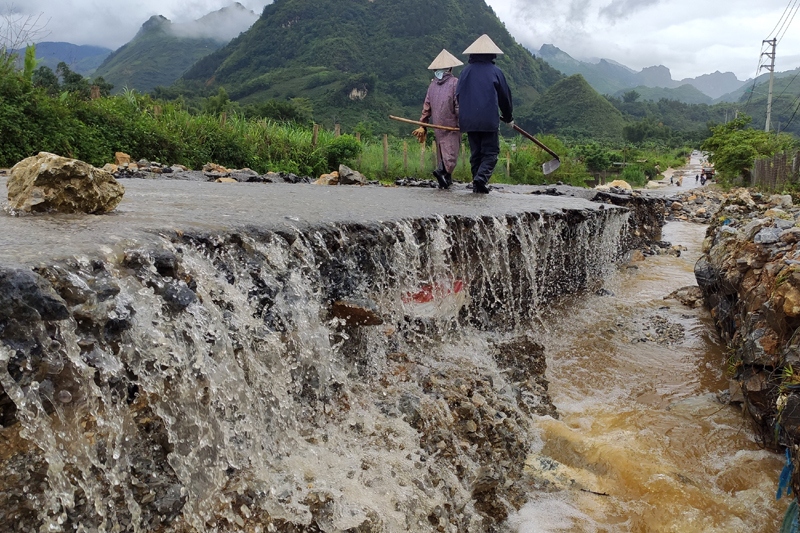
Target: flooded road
{"x":643,"y":444}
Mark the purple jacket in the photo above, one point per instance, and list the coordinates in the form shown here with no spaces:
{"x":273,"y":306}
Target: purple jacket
{"x":441,"y":106}
{"x":482,"y":89}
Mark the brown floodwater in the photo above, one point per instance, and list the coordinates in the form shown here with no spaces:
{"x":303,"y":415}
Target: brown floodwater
{"x":643,"y":444}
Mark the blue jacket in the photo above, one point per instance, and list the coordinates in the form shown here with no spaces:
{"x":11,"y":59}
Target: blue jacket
{"x":481,"y":90}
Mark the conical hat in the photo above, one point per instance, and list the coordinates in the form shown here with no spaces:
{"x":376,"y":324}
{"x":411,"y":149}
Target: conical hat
{"x":445,"y":60}
{"x":483,"y":45}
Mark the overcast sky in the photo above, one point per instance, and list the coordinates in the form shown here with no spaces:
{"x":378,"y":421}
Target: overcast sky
{"x":691,"y":37}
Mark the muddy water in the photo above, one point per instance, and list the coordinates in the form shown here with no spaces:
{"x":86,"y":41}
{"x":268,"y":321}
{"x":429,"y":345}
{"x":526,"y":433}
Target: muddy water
{"x":643,"y":445}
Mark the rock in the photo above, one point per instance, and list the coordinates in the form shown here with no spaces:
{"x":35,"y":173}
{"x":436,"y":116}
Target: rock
{"x":121,"y":158}
{"x":676,"y":206}
{"x":27,"y":296}
{"x":48,"y":182}
{"x":791,"y":299}
{"x":622,"y":184}
{"x":778,"y":213}
{"x":111,"y":168}
{"x":781,"y":200}
{"x":328,"y":179}
{"x":348,"y":176}
{"x":226,"y":180}
{"x":357,"y":313}
{"x":790,"y":235}
{"x":700,"y":212}
{"x":213,"y":167}
{"x":752,"y":228}
{"x":637,"y":255}
{"x":744,"y":198}
{"x":244,"y":174}
{"x":179,"y":296}
{"x":179,"y":168}
{"x":689,"y":296}
{"x":767,"y":236}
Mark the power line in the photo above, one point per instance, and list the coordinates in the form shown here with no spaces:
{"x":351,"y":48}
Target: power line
{"x":780,"y":19}
{"x":797,"y":101}
{"x":797,"y":5}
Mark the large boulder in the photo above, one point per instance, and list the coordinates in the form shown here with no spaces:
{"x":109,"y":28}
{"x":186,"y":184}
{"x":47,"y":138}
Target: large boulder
{"x":348,"y":176}
{"x":49,"y":182}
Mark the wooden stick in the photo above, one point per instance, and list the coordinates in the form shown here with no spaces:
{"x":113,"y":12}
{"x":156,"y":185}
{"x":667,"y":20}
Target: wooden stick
{"x":424,"y":124}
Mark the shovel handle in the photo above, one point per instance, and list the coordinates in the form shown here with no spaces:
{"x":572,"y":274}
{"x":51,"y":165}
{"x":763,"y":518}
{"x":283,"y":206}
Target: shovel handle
{"x":423,"y":124}
{"x":535,"y":140}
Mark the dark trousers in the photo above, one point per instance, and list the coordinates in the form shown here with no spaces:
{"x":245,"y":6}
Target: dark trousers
{"x":484,"y":147}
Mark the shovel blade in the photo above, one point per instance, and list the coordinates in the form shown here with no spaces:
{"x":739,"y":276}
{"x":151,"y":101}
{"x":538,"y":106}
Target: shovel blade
{"x":551,"y":166}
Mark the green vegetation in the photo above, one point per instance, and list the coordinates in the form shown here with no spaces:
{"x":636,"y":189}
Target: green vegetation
{"x":686,"y":93}
{"x":574,"y":109}
{"x":70,"y":124}
{"x":734,"y":147}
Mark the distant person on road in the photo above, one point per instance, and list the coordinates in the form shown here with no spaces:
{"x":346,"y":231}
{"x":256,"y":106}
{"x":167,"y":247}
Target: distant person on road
{"x":481,"y":90}
{"x":441,"y":107}
{"x":696,"y":178}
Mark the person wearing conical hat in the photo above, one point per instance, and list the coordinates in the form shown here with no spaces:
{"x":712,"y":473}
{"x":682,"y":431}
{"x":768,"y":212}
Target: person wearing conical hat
{"x":441,"y":108}
{"x":482,"y":90}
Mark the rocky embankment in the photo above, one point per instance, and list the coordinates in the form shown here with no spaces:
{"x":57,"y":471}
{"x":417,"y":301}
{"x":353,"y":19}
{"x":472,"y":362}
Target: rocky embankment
{"x":750,"y":278}
{"x":695,"y":205}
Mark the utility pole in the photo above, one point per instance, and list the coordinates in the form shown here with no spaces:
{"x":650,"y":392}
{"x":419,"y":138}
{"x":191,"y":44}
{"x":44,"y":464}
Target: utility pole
{"x":771,"y":68}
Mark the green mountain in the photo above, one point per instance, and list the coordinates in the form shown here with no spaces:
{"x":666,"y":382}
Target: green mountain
{"x":361,"y":60}
{"x":759,"y":84}
{"x":609,"y":77}
{"x":685,"y":93}
{"x":605,"y":76}
{"x":572,"y":107}
{"x":162,"y":51}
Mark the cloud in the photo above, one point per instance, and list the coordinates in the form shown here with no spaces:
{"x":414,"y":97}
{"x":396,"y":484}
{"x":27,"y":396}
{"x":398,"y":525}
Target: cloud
{"x":620,"y":9}
{"x":112,"y":24}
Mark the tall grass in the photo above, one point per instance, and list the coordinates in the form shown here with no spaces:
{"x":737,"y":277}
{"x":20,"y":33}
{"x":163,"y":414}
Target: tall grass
{"x":520,"y":162}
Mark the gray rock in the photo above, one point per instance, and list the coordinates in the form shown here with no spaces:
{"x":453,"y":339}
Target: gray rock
{"x":782,"y":200}
{"x":783,"y":224}
{"x":768,"y":236}
{"x":753,"y":227}
{"x":25,"y":295}
{"x":348,"y":176}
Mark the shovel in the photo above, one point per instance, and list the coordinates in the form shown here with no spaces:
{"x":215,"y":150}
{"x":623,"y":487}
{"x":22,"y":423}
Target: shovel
{"x":550,"y":166}
{"x":423,"y":124}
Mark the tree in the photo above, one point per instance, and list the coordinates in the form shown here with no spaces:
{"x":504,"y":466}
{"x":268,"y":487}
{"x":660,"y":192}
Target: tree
{"x":103,"y":85}
{"x":630,"y":96}
{"x":734,"y":147}
{"x":73,"y":82}
{"x":595,"y":157}
{"x":216,"y":105}
{"x":30,"y":62}
{"x":45,"y":78}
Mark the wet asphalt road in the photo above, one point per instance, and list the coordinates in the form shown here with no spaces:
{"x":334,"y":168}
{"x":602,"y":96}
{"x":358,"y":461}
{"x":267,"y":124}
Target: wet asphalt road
{"x":157,"y":206}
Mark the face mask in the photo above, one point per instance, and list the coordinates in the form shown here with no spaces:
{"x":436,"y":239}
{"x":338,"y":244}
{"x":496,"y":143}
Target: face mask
{"x":439,"y":74}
